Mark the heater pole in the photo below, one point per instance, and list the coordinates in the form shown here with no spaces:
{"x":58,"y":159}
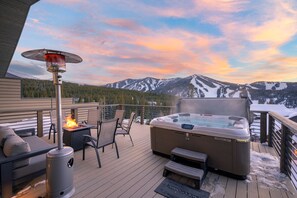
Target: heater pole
{"x":57,"y":82}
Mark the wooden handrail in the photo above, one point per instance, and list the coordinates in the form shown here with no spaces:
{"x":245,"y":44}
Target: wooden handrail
{"x":31,"y":109}
{"x":291,"y":125}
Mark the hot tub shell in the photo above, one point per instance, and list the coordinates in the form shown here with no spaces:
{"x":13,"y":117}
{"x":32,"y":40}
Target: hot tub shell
{"x":227,"y":149}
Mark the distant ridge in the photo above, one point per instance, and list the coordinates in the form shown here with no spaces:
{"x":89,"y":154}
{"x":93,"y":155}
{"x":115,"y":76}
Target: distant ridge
{"x":201,"y":86}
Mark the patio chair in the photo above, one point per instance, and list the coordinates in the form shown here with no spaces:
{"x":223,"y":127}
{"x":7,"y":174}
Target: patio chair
{"x":125,"y":130}
{"x":119,"y":114}
{"x":105,"y":136}
{"x":93,"y":118}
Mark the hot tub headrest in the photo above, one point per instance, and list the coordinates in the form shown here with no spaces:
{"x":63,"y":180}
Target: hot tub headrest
{"x":216,"y":106}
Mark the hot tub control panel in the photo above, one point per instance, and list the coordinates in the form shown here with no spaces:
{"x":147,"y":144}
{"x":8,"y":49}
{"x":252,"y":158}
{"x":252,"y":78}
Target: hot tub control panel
{"x":187,"y":126}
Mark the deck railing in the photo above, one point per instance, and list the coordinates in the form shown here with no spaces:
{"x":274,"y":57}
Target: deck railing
{"x":282,"y":135}
{"x":38,"y":117}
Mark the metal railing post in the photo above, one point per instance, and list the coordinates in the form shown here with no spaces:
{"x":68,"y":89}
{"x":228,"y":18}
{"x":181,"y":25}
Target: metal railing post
{"x":284,"y":131}
{"x":142,"y":115}
{"x":271,"y":123}
{"x":74,"y":114}
{"x":263,"y":127}
{"x":40,"y":123}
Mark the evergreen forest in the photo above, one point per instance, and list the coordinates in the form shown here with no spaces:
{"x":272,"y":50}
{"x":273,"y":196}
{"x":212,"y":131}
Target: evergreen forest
{"x":32,"y":88}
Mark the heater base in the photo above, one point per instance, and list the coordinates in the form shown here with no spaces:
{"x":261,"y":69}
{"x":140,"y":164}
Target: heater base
{"x":59,"y":173}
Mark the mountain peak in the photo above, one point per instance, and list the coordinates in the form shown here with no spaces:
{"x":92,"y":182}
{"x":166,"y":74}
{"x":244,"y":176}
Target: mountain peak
{"x":198,"y":86}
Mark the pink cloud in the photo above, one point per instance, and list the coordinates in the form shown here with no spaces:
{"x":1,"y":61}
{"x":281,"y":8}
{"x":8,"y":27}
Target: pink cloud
{"x":126,"y":24}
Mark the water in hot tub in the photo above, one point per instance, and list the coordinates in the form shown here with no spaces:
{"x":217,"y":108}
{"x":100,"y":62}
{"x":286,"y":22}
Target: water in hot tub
{"x":205,"y":121}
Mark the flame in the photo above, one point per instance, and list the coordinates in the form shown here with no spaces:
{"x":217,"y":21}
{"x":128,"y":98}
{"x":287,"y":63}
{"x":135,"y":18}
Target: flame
{"x":70,"y":123}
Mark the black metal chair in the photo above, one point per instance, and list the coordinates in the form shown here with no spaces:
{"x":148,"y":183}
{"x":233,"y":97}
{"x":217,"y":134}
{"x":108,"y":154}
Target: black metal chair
{"x":53,"y":118}
{"x":53,"y":125}
{"x":94,"y":116}
{"x":125,"y":130}
{"x":105,"y":136}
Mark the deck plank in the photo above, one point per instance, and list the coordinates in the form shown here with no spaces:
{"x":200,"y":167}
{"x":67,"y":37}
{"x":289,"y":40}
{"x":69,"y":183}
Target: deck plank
{"x":148,"y":186}
{"x":253,"y":190}
{"x":262,"y":148}
{"x":220,"y":188}
{"x":152,"y":193}
{"x":263,"y":192}
{"x":108,"y":188}
{"x":275,"y":193}
{"x":98,"y":183}
{"x":141,"y":177}
{"x":231,"y":187}
{"x":241,"y":191}
{"x":255,"y":147}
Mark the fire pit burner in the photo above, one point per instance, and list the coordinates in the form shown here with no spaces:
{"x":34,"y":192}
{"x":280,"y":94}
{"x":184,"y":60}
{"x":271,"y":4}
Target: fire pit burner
{"x":74,"y":136}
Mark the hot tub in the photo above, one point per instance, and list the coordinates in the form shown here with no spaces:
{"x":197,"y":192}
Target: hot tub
{"x":225,"y":139}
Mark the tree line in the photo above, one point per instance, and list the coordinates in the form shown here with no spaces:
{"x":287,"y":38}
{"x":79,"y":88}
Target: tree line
{"x":32,"y":88}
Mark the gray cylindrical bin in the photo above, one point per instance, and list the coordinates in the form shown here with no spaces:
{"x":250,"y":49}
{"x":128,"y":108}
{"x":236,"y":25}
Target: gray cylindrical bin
{"x":59,"y":173}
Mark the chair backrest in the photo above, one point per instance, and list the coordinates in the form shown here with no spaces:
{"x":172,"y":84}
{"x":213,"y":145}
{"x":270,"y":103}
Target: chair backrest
{"x":106,"y":134}
{"x":119,"y":114}
{"x":93,"y":116}
{"x":132,"y":116}
{"x":53,"y":116}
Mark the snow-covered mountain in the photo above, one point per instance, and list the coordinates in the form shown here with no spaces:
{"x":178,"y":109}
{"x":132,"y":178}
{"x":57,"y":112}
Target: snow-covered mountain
{"x":202,"y":86}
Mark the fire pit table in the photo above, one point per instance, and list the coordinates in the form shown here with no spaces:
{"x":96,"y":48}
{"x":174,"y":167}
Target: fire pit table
{"x":73,"y":137}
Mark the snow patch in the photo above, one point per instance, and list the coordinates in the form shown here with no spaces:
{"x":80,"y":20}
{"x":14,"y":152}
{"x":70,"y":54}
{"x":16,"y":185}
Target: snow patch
{"x":266,"y":168}
{"x":211,"y":91}
{"x":278,"y":108}
{"x":275,"y":86}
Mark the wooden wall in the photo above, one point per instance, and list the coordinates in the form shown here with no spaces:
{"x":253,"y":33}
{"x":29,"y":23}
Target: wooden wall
{"x":10,"y":98}
{"x":13,"y":14}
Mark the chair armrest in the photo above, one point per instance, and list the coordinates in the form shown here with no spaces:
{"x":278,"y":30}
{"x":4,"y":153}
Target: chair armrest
{"x":32,"y":153}
{"x":25,"y":132}
{"x":88,"y":138}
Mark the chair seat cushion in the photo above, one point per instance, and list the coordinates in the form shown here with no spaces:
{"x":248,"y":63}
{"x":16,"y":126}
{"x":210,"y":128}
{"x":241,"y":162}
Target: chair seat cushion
{"x":121,"y":131}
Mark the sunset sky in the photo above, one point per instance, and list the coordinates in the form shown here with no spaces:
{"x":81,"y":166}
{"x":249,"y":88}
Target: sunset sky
{"x":239,"y":41}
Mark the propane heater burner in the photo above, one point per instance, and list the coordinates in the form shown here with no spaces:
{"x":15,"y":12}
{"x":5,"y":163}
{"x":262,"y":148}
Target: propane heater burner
{"x":59,"y":168}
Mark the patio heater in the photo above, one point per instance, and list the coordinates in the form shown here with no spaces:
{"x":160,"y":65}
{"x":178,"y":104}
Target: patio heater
{"x":59,"y":161}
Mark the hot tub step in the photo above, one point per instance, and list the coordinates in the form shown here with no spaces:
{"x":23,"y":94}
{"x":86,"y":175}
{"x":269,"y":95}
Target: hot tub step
{"x":195,"y":174}
{"x":190,"y":158}
{"x":191,"y":155}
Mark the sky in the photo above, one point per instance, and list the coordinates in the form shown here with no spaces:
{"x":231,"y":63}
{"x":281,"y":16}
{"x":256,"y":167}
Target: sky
{"x":239,"y":41}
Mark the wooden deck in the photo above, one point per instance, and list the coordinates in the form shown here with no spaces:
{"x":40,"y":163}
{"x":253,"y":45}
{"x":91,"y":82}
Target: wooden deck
{"x":138,"y":172}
